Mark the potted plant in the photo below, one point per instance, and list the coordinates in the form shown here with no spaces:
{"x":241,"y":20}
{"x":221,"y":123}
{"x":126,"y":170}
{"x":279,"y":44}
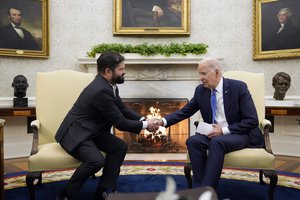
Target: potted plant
{"x":146,"y":49}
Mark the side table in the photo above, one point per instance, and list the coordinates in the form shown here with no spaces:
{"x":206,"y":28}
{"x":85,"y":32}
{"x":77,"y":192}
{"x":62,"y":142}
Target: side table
{"x":9,"y":111}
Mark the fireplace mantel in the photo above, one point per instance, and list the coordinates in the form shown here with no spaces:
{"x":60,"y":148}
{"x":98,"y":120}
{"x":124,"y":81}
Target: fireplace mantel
{"x":158,"y":67}
{"x":133,"y":58}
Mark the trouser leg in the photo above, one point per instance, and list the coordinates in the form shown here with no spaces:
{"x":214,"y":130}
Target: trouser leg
{"x":115,"y":150}
{"x":197,"y":147}
{"x":217,"y":149}
{"x":92,"y":161}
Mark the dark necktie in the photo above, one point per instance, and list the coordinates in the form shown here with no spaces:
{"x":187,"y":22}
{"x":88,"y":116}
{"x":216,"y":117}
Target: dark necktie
{"x":213,"y":103}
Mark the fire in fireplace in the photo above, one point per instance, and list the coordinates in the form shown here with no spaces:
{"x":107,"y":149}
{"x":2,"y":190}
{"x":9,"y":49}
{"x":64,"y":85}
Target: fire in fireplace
{"x":167,"y":140}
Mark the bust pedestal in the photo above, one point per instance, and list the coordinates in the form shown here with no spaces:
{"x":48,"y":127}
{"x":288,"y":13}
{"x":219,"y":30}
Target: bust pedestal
{"x":20,"y":102}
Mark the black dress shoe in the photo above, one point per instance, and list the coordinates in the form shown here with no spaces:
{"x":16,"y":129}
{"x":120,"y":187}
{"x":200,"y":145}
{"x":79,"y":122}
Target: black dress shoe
{"x":104,"y":196}
{"x":62,"y":196}
{"x":101,"y":195}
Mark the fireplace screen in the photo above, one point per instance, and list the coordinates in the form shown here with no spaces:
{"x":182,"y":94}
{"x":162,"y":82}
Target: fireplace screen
{"x":167,"y":140}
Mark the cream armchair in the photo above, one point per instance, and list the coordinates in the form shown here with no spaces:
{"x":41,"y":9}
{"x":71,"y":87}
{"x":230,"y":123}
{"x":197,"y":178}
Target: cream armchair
{"x":55,"y":94}
{"x":261,"y":159}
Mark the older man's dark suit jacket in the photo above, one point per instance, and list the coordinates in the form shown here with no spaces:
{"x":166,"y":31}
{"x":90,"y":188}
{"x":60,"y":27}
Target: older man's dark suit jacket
{"x":96,"y":110}
{"x":239,"y":109}
{"x":10,"y":39}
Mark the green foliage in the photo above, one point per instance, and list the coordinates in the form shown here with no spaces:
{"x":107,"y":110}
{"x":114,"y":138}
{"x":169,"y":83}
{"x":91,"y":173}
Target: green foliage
{"x":150,"y":49}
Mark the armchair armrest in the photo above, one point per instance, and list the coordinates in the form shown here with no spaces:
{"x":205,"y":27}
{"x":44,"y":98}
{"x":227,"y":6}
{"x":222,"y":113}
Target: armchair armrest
{"x":266,"y":127}
{"x":265,"y":124}
{"x":35,"y":125}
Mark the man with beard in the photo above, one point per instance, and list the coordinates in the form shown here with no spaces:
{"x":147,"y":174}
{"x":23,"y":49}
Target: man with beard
{"x":13,"y":36}
{"x":85,"y":131}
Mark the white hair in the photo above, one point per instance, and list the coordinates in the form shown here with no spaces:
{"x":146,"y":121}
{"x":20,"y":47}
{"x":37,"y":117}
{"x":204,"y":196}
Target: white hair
{"x":285,"y":11}
{"x":213,"y":63}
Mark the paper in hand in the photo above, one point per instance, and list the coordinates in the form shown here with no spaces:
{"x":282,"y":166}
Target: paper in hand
{"x":204,"y":128}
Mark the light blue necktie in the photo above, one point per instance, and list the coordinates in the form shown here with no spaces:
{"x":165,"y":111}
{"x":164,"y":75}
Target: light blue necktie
{"x":213,"y":103}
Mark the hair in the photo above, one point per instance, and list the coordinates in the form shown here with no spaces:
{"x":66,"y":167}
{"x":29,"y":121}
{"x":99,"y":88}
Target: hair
{"x":108,"y":60}
{"x":213,"y":63}
{"x":285,"y":11}
{"x":13,"y":7}
{"x":280,"y":74}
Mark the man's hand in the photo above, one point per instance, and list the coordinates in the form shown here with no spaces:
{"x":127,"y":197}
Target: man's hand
{"x":217,"y":131}
{"x":158,"y":10}
{"x":159,"y":122}
{"x":152,"y":125}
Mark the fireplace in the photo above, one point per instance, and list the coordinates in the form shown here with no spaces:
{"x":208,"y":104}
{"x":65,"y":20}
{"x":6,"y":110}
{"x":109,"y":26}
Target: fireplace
{"x":166,"y":140}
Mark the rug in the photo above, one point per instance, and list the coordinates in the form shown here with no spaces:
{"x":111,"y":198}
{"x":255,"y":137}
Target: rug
{"x":151,"y":177}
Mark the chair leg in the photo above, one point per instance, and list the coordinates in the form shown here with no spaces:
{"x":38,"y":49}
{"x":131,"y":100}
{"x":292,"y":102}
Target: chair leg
{"x":272,"y":175}
{"x":39,"y":179}
{"x":30,"y":177}
{"x":261,"y":177}
{"x":187,"y":173}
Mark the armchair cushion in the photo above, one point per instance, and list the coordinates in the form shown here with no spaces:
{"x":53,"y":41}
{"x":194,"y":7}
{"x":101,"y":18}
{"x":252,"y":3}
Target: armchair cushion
{"x":51,"y":156}
{"x":257,"y":158}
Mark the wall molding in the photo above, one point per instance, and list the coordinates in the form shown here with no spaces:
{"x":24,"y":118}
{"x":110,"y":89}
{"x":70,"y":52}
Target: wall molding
{"x":157,"y":67}
{"x":289,"y":101}
{"x":9,"y":102}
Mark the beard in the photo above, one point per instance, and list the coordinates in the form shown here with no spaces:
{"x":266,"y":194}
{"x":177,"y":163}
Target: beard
{"x":118,"y":79}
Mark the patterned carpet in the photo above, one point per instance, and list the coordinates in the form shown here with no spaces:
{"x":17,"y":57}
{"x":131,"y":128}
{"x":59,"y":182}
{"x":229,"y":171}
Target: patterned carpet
{"x":290,"y":180}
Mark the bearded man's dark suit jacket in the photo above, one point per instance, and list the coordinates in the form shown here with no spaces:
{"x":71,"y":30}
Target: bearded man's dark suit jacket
{"x":96,"y":111}
{"x":85,"y":132}
{"x":10,"y":39}
{"x":240,"y":114}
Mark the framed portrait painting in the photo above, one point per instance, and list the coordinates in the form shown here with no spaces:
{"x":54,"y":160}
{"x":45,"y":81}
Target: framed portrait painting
{"x":151,"y":17}
{"x":24,"y":28}
{"x":276,"y":29}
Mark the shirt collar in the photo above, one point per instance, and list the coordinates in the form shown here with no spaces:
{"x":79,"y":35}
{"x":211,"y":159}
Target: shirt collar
{"x":113,"y":86}
{"x":219,"y":87}
{"x":13,"y":25}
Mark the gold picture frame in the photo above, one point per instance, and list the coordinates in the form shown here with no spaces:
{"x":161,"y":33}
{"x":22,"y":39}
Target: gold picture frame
{"x":269,"y":42}
{"x":151,"y":17}
{"x":24,"y":28}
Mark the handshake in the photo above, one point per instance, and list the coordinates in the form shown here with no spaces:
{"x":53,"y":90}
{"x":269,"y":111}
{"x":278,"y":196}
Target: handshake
{"x":154,"y":124}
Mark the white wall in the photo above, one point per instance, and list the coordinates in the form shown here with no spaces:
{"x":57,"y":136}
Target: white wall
{"x":75,"y":26}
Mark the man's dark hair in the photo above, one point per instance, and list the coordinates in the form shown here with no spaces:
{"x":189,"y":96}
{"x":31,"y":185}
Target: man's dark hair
{"x":13,"y":7}
{"x":108,"y":60}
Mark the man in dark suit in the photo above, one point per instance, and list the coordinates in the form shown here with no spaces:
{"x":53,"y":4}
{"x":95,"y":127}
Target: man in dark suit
{"x":234,"y":122}
{"x":13,"y":36}
{"x":286,"y":35}
{"x":85,"y":131}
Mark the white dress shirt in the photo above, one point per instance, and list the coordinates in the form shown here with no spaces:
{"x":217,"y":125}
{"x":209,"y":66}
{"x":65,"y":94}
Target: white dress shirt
{"x":19,"y":31}
{"x":220,"y":113}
